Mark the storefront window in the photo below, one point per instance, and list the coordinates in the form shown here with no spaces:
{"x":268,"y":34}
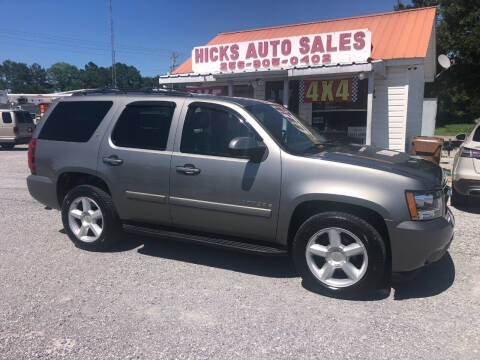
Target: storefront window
{"x":245,"y":91}
{"x":274,"y":93}
{"x":339,"y":107}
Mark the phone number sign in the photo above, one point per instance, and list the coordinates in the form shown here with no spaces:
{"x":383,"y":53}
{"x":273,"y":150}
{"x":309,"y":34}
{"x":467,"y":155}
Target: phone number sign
{"x":284,"y":53}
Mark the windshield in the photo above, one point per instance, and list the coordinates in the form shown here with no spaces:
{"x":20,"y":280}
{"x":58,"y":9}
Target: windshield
{"x":293,"y":135}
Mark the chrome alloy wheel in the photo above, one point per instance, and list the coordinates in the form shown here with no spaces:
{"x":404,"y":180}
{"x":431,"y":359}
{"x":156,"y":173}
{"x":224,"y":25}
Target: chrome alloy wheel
{"x":85,"y":219}
{"x":336,"y":257}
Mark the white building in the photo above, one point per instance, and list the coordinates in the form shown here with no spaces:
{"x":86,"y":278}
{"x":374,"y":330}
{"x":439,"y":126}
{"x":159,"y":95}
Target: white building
{"x":361,"y":77}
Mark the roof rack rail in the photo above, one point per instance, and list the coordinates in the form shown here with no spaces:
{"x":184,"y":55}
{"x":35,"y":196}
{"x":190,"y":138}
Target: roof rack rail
{"x":155,"y":91}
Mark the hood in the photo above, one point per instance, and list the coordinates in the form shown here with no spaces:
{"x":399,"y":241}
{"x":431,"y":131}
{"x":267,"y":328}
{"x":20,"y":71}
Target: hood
{"x":382,"y":159}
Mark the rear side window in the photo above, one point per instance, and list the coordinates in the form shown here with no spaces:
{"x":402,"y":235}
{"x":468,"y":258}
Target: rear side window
{"x":144,"y":126}
{"x":74,"y":121}
{"x":476,"y":136}
{"x":6,"y":118}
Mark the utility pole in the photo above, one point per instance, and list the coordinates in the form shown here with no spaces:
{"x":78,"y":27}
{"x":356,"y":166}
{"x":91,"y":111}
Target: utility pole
{"x":174,"y":58}
{"x":114,"y":70}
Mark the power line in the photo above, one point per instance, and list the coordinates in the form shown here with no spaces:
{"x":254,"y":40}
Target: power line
{"x":76,"y":41}
{"x":76,"y":46}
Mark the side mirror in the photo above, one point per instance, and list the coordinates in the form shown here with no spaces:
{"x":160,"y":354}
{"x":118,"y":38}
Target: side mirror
{"x":461,"y":137}
{"x":248,"y":147}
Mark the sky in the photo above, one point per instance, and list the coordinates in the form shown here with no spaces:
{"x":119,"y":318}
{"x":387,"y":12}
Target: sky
{"x":147,"y":31}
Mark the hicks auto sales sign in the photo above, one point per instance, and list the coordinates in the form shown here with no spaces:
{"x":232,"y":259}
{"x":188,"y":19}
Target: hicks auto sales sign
{"x":283,"y":53}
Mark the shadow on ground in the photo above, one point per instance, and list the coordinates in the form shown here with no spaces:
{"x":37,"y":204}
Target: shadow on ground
{"x":429,"y":281}
{"x":269,"y":266}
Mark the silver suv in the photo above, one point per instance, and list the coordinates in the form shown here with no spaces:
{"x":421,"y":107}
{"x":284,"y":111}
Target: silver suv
{"x":16,"y":127}
{"x":241,"y":174}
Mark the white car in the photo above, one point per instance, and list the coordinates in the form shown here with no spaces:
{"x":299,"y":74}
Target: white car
{"x":466,"y":169}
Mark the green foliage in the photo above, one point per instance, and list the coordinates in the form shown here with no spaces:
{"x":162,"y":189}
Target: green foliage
{"x":21,"y":78}
{"x":458,"y":36}
{"x":415,"y":4}
{"x":454,"y":129}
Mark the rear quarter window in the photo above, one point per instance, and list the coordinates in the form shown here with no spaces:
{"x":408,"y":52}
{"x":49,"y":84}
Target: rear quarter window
{"x":74,"y":121}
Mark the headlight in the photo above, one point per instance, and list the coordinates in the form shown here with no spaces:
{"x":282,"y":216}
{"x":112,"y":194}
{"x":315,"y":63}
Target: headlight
{"x":425,"y":205}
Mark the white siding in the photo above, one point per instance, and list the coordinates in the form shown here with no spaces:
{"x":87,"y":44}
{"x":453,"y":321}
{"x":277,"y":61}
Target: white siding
{"x":389,"y":115}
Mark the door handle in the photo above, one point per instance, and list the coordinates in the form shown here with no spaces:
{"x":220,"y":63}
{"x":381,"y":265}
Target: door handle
{"x":188,"y":169}
{"x":112,"y":160}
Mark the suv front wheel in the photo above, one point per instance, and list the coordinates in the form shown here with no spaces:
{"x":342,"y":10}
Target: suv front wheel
{"x":339,"y":254}
{"x":89,"y":218}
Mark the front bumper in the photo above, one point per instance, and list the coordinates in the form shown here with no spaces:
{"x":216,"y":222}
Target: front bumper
{"x":418,"y":243}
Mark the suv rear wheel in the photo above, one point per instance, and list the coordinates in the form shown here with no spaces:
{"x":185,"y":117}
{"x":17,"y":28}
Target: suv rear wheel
{"x":339,"y":254}
{"x":89,"y":218}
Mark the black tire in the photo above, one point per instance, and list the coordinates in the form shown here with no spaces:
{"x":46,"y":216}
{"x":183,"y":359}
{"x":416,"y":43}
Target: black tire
{"x":8,"y":146}
{"x":375,"y":274}
{"x":458,"y":199}
{"x":111,"y":224}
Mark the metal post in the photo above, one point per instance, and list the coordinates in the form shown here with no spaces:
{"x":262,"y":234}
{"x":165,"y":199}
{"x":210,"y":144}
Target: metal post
{"x":114,"y":70}
{"x":230,"y":88}
{"x":286,"y":92}
{"x":371,"y":87}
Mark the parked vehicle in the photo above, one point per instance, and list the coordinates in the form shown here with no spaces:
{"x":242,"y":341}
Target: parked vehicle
{"x":16,"y":127}
{"x":466,"y":169}
{"x":241,"y":174}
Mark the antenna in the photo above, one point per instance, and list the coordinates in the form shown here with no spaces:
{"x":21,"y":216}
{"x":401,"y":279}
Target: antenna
{"x":445,"y":63}
{"x":114,"y":70}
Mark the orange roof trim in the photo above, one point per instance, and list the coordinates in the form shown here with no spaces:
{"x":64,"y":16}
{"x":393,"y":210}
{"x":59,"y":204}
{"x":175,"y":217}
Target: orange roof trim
{"x":395,"y":35}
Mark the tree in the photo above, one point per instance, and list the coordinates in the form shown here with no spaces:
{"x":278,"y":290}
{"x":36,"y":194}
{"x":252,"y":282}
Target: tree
{"x":64,"y":77}
{"x":458,"y":36}
{"x":21,"y":78}
{"x":15,"y":76}
{"x":415,"y":4}
{"x":128,"y":77}
{"x":38,"y":79}
{"x":95,"y":77}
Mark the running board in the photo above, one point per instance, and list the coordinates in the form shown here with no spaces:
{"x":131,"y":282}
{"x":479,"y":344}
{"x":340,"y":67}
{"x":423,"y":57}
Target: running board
{"x":206,"y":240}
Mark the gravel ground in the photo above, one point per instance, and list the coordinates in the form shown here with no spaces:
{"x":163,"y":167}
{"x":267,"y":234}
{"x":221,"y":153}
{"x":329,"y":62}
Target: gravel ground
{"x":158,"y":299}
